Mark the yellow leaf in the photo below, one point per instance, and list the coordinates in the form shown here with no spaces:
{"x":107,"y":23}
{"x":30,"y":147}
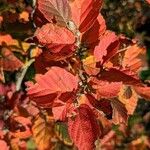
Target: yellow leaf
{"x":128,"y":97}
{"x":43,"y":133}
{"x":89,"y":65}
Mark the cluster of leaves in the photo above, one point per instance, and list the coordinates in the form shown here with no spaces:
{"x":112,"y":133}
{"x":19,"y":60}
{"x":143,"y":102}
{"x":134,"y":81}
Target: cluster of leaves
{"x":87,"y":77}
{"x":134,"y":24}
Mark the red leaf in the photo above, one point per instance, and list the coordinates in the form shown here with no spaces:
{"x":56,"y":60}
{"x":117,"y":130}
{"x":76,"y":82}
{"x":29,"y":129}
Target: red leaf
{"x":84,"y":13}
{"x":39,"y":18}
{"x":9,"y":62}
{"x":60,"y":110}
{"x":102,"y":104}
{"x":105,"y":89}
{"x":51,"y":37}
{"x":83,"y":129}
{"x":105,"y":43}
{"x":55,"y":81}
{"x":95,"y":32}
{"x":115,"y":75}
{"x":62,"y":106}
{"x":58,"y":10}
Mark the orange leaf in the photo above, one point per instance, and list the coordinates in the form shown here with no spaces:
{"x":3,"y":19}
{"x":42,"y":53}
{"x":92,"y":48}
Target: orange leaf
{"x":89,"y":65}
{"x":8,"y":61}
{"x":129,"y":97}
{"x":134,"y":58}
{"x":143,"y":91}
{"x":6,"y":38}
{"x":43,"y":133}
{"x":24,"y":16}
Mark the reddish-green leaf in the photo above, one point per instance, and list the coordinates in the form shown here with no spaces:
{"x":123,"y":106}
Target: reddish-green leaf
{"x":83,"y":129}
{"x":55,"y":38}
{"x":58,"y":10}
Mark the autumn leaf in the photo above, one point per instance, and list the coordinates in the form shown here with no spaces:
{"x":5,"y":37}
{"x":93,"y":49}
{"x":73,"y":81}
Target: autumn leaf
{"x":63,"y":106}
{"x":56,"y":80}
{"x":134,"y":58}
{"x":43,"y":133}
{"x":51,"y":37}
{"x":124,"y":76}
{"x":84,"y":13}
{"x":58,"y":10}
{"x":8,"y":61}
{"x":104,"y":89}
{"x":129,"y":98}
{"x":143,"y":91}
{"x":92,"y":36}
{"x":119,"y":112}
{"x":83,"y":129}
{"x":24,"y":123}
{"x":61,"y":131}
{"x":6,"y":39}
{"x":89,"y":65}
{"x":107,"y":46}
{"x":101,"y":104}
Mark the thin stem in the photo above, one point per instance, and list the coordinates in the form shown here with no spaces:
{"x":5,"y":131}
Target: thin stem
{"x":22,"y":75}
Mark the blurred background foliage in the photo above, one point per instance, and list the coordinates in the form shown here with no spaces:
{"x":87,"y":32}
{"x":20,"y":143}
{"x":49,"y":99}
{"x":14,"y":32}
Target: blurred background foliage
{"x":129,"y":17}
